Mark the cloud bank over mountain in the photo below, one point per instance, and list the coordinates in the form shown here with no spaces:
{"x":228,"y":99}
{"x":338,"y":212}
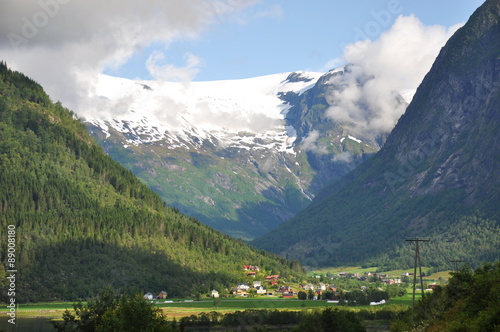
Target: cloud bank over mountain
{"x":396,"y":62}
{"x":76,"y":40}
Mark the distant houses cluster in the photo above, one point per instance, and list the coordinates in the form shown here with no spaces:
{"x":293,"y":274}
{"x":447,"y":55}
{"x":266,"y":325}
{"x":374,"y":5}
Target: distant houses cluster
{"x":257,"y":287}
{"x":161,"y":296}
{"x":251,"y":270}
{"x":244,"y":289}
{"x":384,"y":278}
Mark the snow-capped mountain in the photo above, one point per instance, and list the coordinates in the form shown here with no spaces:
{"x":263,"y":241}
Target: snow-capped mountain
{"x":240,"y":155}
{"x":233,"y":113}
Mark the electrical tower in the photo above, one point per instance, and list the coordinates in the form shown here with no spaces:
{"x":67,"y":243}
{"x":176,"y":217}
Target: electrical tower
{"x":456,"y":264}
{"x":419,"y":264}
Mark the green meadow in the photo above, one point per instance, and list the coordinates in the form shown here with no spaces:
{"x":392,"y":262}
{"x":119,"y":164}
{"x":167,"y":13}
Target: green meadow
{"x":181,"y":308}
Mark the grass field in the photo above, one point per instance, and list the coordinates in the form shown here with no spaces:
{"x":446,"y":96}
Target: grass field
{"x":182,"y":308}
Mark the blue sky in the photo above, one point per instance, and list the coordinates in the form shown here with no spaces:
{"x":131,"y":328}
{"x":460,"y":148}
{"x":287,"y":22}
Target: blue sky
{"x":280,"y":36}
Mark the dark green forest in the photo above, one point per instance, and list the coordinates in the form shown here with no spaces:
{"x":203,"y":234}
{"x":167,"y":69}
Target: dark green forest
{"x":84,"y":222}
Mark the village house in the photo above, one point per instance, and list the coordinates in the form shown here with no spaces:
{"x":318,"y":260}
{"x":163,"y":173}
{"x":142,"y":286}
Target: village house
{"x":261,"y":289}
{"x":214,"y":293}
{"x":251,"y":268}
{"x":257,"y":284}
{"x":391,"y":281}
{"x":272,"y":277}
{"x":431,"y":287}
{"x":148,"y":296}
{"x":284,"y":289}
{"x":239,"y":292}
{"x":309,"y":287}
{"x":244,"y":287}
{"x":161,"y":296}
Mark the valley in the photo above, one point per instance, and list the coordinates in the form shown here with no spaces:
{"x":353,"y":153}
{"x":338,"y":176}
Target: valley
{"x":242,"y":156}
{"x":301,"y":200}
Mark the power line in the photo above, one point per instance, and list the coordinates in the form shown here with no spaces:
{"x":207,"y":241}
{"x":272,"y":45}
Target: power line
{"x":456,"y":264}
{"x":419,"y":264}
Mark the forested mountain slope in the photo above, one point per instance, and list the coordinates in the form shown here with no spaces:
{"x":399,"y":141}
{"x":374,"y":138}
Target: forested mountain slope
{"x":82,"y":221}
{"x":437,"y":176}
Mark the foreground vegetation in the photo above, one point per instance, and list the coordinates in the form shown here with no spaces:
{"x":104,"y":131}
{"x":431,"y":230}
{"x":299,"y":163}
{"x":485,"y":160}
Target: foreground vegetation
{"x":470,"y":302}
{"x":131,"y":312}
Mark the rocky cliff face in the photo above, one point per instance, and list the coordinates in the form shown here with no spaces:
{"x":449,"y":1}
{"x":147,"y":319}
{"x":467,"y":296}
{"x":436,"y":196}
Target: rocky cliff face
{"x":439,"y":165}
{"x":447,"y":136}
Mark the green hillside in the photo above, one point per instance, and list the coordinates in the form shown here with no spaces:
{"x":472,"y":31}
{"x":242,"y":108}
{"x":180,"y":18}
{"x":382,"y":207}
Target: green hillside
{"x":437,"y":176}
{"x":82,"y":221}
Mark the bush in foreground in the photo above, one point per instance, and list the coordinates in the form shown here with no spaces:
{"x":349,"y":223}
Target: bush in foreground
{"x":111,"y":312}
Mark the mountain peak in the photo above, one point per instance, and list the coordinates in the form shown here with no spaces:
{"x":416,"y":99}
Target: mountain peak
{"x":436,"y":176}
{"x":228,"y":113}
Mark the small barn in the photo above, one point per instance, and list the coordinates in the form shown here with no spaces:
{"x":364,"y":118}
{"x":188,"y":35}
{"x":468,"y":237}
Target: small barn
{"x":163,"y":295}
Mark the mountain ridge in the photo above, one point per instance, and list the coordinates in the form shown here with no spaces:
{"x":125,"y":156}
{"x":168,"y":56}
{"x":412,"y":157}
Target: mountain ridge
{"x":438,"y":168}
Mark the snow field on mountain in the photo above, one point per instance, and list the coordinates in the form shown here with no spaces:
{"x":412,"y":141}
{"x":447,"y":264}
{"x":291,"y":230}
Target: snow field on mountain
{"x":233,"y":112}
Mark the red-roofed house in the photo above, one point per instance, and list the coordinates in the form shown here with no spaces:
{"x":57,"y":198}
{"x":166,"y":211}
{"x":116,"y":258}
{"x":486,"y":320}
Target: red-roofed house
{"x":273,"y":277}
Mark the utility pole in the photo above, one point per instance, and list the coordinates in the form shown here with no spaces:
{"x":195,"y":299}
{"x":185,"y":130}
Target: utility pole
{"x":456,"y":264}
{"x":417,"y":262}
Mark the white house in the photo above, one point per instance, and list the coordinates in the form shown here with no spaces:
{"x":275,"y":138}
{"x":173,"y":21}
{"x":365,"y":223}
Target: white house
{"x":214,"y":293}
{"x":309,"y":287}
{"x":261,"y":290}
{"x":148,"y":296}
{"x":257,"y":284}
{"x":244,"y":287}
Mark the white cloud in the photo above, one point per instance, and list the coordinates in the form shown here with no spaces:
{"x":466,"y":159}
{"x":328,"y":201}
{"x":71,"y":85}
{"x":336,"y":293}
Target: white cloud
{"x":171,"y":72}
{"x":345,"y":157}
{"x":310,"y":143}
{"x":398,"y":60}
{"x":65,"y":44}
